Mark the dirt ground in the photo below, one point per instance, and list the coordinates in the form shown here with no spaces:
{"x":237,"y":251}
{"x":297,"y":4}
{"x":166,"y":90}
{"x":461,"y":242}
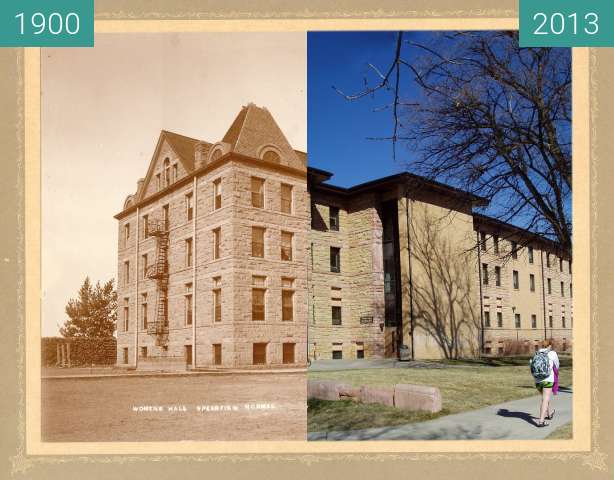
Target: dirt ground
{"x":197,"y":407}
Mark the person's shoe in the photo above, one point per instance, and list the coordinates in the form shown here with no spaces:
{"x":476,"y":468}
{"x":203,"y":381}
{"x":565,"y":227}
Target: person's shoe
{"x":551,"y":416}
{"x":542,"y":424}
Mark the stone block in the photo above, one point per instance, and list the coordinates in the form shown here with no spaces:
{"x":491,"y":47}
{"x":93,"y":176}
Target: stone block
{"x":417,"y":397}
{"x":382,"y":395}
{"x":322,"y":389}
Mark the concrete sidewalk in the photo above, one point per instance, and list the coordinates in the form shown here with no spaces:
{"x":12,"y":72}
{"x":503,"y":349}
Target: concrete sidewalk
{"x":507,"y":421}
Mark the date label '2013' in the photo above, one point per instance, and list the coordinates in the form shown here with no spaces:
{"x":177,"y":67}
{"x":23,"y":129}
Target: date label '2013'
{"x":557,"y":23}
{"x":54,"y":23}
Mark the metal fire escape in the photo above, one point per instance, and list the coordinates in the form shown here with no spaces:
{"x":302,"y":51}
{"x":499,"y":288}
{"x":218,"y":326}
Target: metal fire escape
{"x":159,"y":272}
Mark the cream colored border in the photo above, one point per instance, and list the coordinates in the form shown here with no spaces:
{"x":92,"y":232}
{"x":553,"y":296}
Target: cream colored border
{"x":581,"y":214}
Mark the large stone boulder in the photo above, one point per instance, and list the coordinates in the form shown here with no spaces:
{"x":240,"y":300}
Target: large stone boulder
{"x":417,"y":397}
{"x":383,"y":395}
{"x":322,"y":389}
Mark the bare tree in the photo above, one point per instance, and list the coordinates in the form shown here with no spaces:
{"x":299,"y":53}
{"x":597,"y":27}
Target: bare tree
{"x":488,"y":117}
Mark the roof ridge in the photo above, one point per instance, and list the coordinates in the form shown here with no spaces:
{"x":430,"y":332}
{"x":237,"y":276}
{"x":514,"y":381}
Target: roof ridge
{"x":184,"y":136}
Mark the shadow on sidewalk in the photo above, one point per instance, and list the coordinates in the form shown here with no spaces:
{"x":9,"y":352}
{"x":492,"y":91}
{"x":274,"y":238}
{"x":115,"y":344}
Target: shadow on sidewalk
{"x":504,"y":412}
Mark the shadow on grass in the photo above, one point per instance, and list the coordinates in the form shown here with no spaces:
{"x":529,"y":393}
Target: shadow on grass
{"x":521,"y":360}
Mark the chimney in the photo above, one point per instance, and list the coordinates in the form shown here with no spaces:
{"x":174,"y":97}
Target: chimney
{"x":200,"y":155}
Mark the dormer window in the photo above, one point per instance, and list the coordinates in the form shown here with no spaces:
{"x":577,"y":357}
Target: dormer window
{"x":216,"y":155}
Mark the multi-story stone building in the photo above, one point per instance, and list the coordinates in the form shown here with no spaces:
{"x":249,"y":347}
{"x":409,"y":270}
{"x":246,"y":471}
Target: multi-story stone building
{"x":403,"y":263}
{"x":236,"y":254}
{"x":213,"y":252}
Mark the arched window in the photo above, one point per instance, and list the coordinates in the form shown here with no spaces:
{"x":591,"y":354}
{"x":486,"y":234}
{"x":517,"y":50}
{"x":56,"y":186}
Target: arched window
{"x":167,"y":172}
{"x":271,"y":156}
{"x":216,"y":154}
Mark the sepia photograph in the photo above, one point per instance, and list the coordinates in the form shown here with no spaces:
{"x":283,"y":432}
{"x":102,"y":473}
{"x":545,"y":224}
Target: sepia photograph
{"x":441,"y":272}
{"x":174,"y":238}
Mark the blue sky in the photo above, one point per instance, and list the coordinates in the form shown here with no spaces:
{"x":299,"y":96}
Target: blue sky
{"x":338,"y":130}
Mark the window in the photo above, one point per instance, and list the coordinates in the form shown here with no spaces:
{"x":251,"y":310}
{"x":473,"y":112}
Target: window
{"x":258,"y":242}
{"x":499,"y":319}
{"x":487,"y":319}
{"x":333,"y":217}
{"x":271,"y":156}
{"x":217,"y":354}
{"x":188,"y":354}
{"x":165,"y":217}
{"x":175,"y":172}
{"x":126,"y":234}
{"x":258,"y":298}
{"x":530,"y":254}
{"x":514,"y":246}
{"x":336,"y":314}
{"x":217,"y":237}
{"x":485,"y":274}
{"x":144,"y":352}
{"x":144,"y":310}
{"x":570,"y":291}
{"x":189,"y":207}
{"x":287,"y":305}
{"x":337,"y":355}
{"x":145,"y":226}
{"x":217,"y":194}
{"x":126,"y":313}
{"x":257,"y":192}
{"x":188,"y":304}
{"x":561,"y":264}
{"x":532,"y":282}
{"x":125,"y":351}
{"x":217,"y":299}
{"x":517,"y":320}
{"x":126,"y":272}
{"x":563,"y":321}
{"x":288,"y":352}
{"x":495,"y":241}
{"x":360,"y":350}
{"x":569,"y":264}
{"x":498,"y":276}
{"x":550,"y":321}
{"x":548,"y":260}
{"x":482,"y":241}
{"x":286,"y":198}
{"x":549,"y":286}
{"x":335,"y":259}
{"x":167,"y":172}
{"x":286,"y":246}
{"x":515,"y":280}
{"x":562,"y":289}
{"x":533,"y":321}
{"x":145,"y":265}
{"x":259,"y":354}
{"x":188,"y":252}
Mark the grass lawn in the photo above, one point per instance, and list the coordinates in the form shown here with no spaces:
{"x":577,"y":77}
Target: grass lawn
{"x":464,"y":385}
{"x":562,"y":433}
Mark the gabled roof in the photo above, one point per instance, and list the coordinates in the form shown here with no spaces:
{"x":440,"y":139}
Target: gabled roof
{"x":184,"y":147}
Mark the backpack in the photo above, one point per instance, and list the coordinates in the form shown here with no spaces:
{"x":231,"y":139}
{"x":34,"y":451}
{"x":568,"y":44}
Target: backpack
{"x":540,"y":366}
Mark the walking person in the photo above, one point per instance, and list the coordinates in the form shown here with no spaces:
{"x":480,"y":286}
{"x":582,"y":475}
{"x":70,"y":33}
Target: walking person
{"x":544,"y":368}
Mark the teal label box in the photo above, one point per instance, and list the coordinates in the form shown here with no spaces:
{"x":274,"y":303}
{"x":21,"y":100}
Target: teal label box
{"x":46,"y":23}
{"x":566,"y":23}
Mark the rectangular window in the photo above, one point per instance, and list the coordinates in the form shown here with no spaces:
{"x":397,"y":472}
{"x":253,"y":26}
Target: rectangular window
{"x":158,"y":182}
{"x":482,"y":241}
{"x":166,"y":217}
{"x":337,"y":355}
{"x":286,"y":246}
{"x":125,"y":352}
{"x":360,"y":350}
{"x":514,"y":247}
{"x":257,"y":192}
{"x":217,"y":354}
{"x":487,"y":319}
{"x":188,"y":354}
{"x":287,"y":305}
{"x":336,"y":314}
{"x":188,"y":304}
{"x":333,"y":217}
{"x":569,"y":264}
{"x":145,"y":226}
{"x":517,"y":320}
{"x":561,"y":264}
{"x":126,"y":314}
{"x":548,"y":260}
{"x":258,"y":242}
{"x":562,"y":289}
{"x":175,"y":172}
{"x":258,"y":298}
{"x":217,"y":194}
{"x":530,"y":249}
{"x":499,"y":319}
{"x":515,"y":280}
{"x":570,"y":291}
{"x":335,"y":259}
{"x":286,"y":198}
{"x":498,"y":276}
{"x":126,"y":272}
{"x":144,"y":261}
{"x":217,"y":237}
{"x":217,"y":299}
{"x":563,"y":321}
{"x":143,"y":352}
{"x":259,"y":354}
{"x":549,"y":286}
{"x":495,"y":241}
{"x":532,"y":282}
{"x":550,"y":321}
{"x":126,"y":234}
{"x":288,"y":353}
{"x":188,"y":252}
{"x":144,"y":310}
{"x":533,"y":321}
{"x":485,"y":274}
{"x":189,"y":206}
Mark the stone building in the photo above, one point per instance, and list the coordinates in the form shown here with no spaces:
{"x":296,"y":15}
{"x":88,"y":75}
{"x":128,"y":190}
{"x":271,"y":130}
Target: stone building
{"x":403,"y":261}
{"x":213,"y":252}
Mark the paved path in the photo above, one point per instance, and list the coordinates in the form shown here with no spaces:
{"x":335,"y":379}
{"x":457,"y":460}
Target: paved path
{"x":508,"y":421}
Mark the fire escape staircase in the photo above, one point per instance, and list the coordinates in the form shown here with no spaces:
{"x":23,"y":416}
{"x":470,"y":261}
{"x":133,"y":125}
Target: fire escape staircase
{"x":159,"y":272}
